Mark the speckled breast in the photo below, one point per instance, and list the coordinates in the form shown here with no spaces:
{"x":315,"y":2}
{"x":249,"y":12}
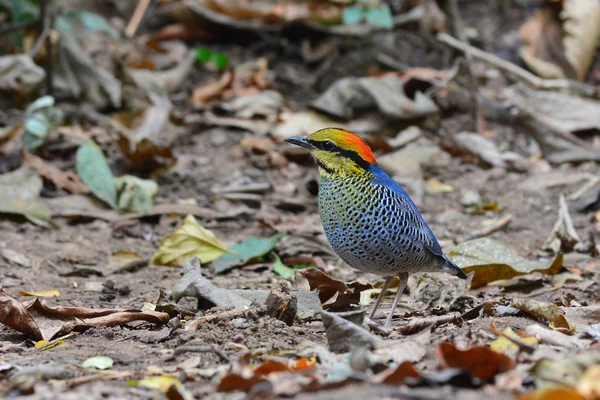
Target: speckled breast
{"x":372,"y":228}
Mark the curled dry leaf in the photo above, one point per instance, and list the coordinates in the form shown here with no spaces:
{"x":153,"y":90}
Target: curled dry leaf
{"x":188,"y":240}
{"x":490,"y":260}
{"x":66,"y":180}
{"x":562,"y":44}
{"x":334,"y":294}
{"x":386,"y":94}
{"x":547,"y":311}
{"x":46,"y":322}
{"x":480,"y":361}
{"x":204,"y":94}
{"x":150,"y":133}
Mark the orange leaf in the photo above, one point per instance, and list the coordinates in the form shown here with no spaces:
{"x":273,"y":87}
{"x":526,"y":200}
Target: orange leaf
{"x":302,"y":364}
{"x":481,"y":361}
{"x":271,"y":366}
{"x":552,"y":394}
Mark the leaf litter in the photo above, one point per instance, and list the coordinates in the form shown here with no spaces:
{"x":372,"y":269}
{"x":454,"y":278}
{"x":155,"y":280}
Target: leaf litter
{"x":149,"y":127}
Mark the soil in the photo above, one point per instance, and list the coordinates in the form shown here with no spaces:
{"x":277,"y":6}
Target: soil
{"x":212,"y":160}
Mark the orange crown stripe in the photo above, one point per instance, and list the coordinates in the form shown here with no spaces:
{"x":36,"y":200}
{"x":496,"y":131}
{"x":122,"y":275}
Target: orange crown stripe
{"x":356,"y":143}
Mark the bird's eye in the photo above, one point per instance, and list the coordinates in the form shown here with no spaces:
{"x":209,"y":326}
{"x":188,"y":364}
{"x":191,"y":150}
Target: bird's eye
{"x":327,"y":145}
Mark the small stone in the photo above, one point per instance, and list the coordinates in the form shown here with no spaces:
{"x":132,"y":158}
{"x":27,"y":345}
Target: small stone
{"x":240,"y":323}
{"x":283,"y":305}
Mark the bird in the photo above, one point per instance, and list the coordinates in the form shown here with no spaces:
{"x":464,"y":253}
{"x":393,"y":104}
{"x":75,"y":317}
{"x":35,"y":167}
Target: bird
{"x":369,"y":219}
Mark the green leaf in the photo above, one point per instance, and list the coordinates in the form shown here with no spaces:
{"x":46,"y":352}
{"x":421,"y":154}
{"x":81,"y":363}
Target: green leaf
{"x":41,"y":119}
{"x":492,"y":261}
{"x":380,"y":16}
{"x":284,"y":271}
{"x":98,"y":362}
{"x":352,"y":15}
{"x":94,"y":171}
{"x":135,"y":194}
{"x":246,"y":251}
{"x":203,"y":54}
{"x":281,"y":269}
{"x":220,"y":60}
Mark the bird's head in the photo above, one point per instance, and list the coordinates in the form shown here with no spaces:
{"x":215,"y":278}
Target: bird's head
{"x":337,"y":151}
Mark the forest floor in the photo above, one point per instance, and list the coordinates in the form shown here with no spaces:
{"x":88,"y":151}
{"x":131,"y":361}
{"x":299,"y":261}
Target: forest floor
{"x":257,"y":186}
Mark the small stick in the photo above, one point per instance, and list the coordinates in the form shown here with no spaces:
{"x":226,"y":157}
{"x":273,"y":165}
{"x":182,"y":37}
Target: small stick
{"x":136,"y":18}
{"x":80,"y":380}
{"x":532,"y":80}
{"x":589,"y":185}
{"x":526,"y":347}
{"x":488,"y":230}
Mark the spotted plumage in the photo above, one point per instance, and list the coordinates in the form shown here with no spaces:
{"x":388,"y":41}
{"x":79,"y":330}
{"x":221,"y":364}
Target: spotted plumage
{"x":368,"y":218}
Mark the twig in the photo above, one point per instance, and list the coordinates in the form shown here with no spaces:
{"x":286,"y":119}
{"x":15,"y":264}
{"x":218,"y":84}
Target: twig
{"x":44,"y":25}
{"x":589,"y":185}
{"x":80,"y":380}
{"x":523,"y":346}
{"x":136,"y":18}
{"x":198,"y":349}
{"x":418,"y":324}
{"x":532,"y":80}
{"x":488,"y":230}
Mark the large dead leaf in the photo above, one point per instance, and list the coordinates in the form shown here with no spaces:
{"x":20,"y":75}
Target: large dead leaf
{"x":149,"y":134}
{"x":490,"y":260}
{"x":334,"y":294}
{"x":386,"y":94}
{"x":46,"y":322}
{"x":552,"y":118}
{"x":19,"y":194}
{"x":481,"y":361}
{"x":565,"y":372}
{"x":546,"y":311}
{"x":562,"y":45}
{"x":188,"y":240}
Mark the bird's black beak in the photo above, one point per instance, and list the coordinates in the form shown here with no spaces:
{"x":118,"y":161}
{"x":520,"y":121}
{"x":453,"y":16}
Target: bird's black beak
{"x":301,"y":141}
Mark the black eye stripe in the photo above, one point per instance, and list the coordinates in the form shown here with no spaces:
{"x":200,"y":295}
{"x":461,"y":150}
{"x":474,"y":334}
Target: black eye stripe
{"x":345,"y":153}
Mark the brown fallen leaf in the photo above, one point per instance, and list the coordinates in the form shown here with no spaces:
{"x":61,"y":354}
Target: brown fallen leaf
{"x":561,"y":41}
{"x":552,"y":394}
{"x":313,"y":279}
{"x":204,"y":94}
{"x":480,"y":361}
{"x":183,"y":31}
{"x":41,"y":293}
{"x":546,"y":311}
{"x":67,"y":180}
{"x":46,"y":322}
{"x":397,"y":375}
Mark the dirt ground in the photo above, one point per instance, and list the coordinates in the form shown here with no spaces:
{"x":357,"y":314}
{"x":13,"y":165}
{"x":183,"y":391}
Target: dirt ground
{"x":211,"y":158}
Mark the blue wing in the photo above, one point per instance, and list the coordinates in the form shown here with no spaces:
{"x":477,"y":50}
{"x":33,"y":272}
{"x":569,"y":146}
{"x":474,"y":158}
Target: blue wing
{"x":381,"y":178}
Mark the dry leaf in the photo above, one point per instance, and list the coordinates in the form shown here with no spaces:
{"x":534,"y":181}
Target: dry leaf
{"x":188,"y":240}
{"x":41,"y":293}
{"x":481,"y":361}
{"x":204,"y":94}
{"x":552,"y":394}
{"x":66,"y":180}
{"x":45,"y":322}
{"x":546,"y":311}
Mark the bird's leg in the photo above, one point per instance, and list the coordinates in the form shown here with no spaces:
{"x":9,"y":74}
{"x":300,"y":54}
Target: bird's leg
{"x":386,"y":285}
{"x":403,"y":276}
